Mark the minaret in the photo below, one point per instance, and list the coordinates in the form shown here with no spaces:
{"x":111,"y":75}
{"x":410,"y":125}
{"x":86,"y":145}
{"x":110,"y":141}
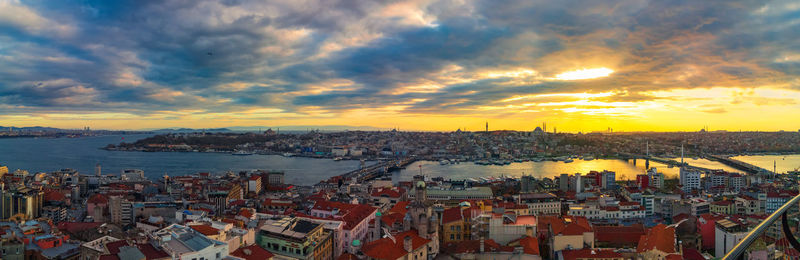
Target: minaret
{"x":376,"y":233}
{"x":681,"y":154}
{"x":487,"y":126}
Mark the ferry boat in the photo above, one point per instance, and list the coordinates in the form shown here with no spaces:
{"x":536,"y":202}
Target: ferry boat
{"x":336,"y":159}
{"x":242,"y":152}
{"x":443,"y":162}
{"x":568,"y":160}
{"x":288,"y":154}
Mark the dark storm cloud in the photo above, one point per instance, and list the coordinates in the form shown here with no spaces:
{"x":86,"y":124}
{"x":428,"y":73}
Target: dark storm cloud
{"x":174,"y":55}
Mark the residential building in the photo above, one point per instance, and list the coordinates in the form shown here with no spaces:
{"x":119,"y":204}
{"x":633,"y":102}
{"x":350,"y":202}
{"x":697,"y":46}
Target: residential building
{"x":541,"y":203}
{"x":184,"y":243}
{"x":689,"y":179}
{"x":295,"y":238}
{"x":727,"y":234}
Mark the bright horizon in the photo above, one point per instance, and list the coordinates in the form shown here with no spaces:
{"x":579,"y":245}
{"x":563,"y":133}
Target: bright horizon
{"x":415,"y":65}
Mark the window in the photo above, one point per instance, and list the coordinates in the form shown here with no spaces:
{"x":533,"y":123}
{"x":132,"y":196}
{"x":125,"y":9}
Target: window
{"x":452,"y":237}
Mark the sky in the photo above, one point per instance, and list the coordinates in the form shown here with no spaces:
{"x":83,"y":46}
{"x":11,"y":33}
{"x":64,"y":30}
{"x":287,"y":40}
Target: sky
{"x":630,"y":65}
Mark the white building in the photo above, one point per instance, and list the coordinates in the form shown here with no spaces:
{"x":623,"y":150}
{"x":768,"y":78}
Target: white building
{"x":726,"y":235}
{"x":182,"y":242}
{"x":541,"y":203}
{"x":690,"y":179}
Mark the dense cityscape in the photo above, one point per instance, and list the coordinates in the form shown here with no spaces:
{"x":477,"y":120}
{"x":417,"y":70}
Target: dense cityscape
{"x":363,"y":214}
{"x":399,"y":130}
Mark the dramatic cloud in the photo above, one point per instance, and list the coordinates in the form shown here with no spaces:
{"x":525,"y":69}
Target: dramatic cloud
{"x":418,"y":64}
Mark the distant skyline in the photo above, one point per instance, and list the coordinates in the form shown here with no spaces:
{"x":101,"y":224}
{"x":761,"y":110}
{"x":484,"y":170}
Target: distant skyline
{"x":631,"y":65}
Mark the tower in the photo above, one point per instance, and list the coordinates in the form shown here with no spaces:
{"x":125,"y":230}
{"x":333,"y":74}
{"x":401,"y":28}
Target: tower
{"x":487,"y":126}
{"x":97,"y":171}
{"x":376,"y":233}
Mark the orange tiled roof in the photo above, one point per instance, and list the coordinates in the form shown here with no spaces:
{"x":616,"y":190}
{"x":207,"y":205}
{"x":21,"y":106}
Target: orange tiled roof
{"x":205,"y":230}
{"x":385,"y":248}
{"x":659,"y":237}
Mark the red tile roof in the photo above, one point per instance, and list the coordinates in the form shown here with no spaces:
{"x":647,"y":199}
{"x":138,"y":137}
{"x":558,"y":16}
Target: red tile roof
{"x":151,"y":252}
{"x":457,"y":213}
{"x":573,"y":229}
{"x":351,"y":214}
{"x":109,"y":257}
{"x":620,"y":236}
{"x":205,"y":230}
{"x":722,"y":202}
{"x":75,"y":227}
{"x":113,"y":247}
{"x":526,"y":220}
{"x":400,"y":207}
{"x":529,"y":245}
{"x":659,"y":237}
{"x":388,"y":192}
{"x":252,"y":252}
{"x":588,"y":253}
{"x":692,"y":254}
{"x":385,"y":248}
{"x":54,"y":195}
{"x":474,"y":246}
{"x":98,"y":199}
{"x":246,"y":213}
{"x":347,"y":256}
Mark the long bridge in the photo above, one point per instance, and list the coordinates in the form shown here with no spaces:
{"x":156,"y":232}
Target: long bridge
{"x":377,"y":170}
{"x":739,"y":165}
{"x":648,"y":158}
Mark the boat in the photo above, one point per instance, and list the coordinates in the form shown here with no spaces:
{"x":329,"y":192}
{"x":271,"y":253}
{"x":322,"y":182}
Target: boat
{"x":443,"y":162}
{"x":588,"y":158}
{"x":288,"y":154}
{"x":337,"y":159}
{"x":242,"y":152}
{"x":568,"y":160}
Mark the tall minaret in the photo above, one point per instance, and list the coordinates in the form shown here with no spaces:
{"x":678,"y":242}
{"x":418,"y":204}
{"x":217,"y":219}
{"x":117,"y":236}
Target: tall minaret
{"x":487,"y":126}
{"x":681,"y":154}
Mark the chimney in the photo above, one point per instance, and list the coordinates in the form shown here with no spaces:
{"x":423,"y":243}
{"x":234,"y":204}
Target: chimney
{"x":482,"y":244}
{"x":407,"y":244}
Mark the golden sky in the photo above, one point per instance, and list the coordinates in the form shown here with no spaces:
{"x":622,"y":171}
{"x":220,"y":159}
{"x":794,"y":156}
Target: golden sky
{"x":417,"y":65}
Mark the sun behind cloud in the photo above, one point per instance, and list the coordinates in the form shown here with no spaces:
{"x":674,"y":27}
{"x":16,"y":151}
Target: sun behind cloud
{"x":585,"y":74}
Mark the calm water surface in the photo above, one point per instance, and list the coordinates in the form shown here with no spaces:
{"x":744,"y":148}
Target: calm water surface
{"x":51,"y":154}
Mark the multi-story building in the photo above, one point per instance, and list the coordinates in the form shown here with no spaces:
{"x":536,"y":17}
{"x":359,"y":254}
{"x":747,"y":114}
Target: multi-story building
{"x":746,"y":205}
{"x":656,"y":178}
{"x":776,"y":199}
{"x":56,"y":213}
{"x":457,"y":223}
{"x":254,"y":184}
{"x":296,"y":238}
{"x":689,"y":179}
{"x":726,"y":207}
{"x":184,"y":243}
{"x":455,"y":195}
{"x":727,"y":234}
{"x":23,"y":202}
{"x":356,"y":218}
{"x":609,"y":180}
{"x":541,"y":203}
